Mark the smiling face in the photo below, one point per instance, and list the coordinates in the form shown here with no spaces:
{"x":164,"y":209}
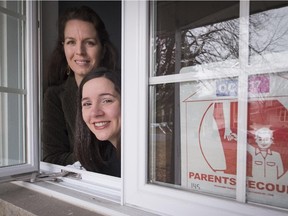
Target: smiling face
{"x":101,"y":109}
{"x":264,"y":139}
{"x":82,"y":47}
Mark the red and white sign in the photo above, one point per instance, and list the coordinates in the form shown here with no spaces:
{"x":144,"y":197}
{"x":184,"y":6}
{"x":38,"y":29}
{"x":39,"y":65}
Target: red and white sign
{"x":209,"y":119}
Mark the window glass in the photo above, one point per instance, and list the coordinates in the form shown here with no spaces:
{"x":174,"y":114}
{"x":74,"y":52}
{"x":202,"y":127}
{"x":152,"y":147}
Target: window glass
{"x":208,"y":142}
{"x":267,"y":159}
{"x":190,"y":33}
{"x":12,"y":134}
{"x":14,"y":6}
{"x":12,"y":88}
{"x":267,"y":129}
{"x":187,"y":117}
{"x":268,"y":37}
{"x":11,"y":44}
{"x":224,"y":72}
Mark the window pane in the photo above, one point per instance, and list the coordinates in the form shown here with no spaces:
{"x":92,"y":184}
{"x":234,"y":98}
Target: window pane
{"x":268,"y":34}
{"x":193,"y":125}
{"x":12,"y":88}
{"x":11,"y":49}
{"x":193,"y":32}
{"x":267,"y":139}
{"x":162,"y":134}
{"x":193,"y":122}
{"x":208,"y":127}
{"x":267,"y":161}
{"x":14,"y":6}
{"x":208,"y":136}
{"x":12,"y":139}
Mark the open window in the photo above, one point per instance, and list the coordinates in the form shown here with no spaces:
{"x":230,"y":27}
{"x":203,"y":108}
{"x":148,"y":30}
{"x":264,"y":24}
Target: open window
{"x":19,"y":119}
{"x":24,"y":42}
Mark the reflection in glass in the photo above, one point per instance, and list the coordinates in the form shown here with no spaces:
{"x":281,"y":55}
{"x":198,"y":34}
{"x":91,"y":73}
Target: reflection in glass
{"x":12,"y":139}
{"x":268,"y":33}
{"x":185,"y":37}
{"x":217,"y":42}
{"x":162,"y":128}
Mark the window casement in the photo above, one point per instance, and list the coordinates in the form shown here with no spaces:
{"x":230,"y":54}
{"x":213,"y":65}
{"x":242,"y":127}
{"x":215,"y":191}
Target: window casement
{"x":20,"y":115}
{"x":18,"y":89}
{"x":198,"y":59}
{"x":153,"y":178}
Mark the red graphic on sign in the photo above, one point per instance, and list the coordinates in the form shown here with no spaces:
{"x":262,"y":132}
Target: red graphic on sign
{"x":270,"y":114}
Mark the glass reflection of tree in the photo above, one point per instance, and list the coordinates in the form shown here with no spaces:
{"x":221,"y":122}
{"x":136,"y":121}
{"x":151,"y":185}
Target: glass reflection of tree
{"x":220,"y":41}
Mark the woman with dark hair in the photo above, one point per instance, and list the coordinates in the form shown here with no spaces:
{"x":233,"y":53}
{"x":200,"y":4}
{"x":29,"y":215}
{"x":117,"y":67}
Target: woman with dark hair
{"x":98,"y":129}
{"x":83,"y":45}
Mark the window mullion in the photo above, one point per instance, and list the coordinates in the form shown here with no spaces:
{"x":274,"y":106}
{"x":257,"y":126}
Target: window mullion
{"x":242,"y":101}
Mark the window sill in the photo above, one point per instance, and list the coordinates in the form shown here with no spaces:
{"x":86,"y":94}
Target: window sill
{"x":17,"y":200}
{"x":45,"y":199}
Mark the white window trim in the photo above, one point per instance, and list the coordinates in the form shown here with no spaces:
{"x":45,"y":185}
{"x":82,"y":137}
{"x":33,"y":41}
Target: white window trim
{"x":32,"y":85}
{"x":3,"y":119}
{"x":137,"y":192}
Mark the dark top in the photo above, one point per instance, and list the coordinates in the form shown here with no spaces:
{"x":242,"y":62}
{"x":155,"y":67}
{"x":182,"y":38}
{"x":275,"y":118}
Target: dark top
{"x":112,"y":159}
{"x":59,"y":114}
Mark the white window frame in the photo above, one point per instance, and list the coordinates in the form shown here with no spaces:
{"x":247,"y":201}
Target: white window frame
{"x":3,"y":108}
{"x":32,"y":118}
{"x":137,"y":192}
